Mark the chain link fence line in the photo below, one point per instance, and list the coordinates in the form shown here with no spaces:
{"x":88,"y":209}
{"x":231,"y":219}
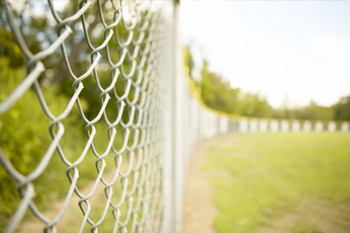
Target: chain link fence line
{"x":123,"y":60}
{"x":123,"y":64}
{"x":254,"y":125}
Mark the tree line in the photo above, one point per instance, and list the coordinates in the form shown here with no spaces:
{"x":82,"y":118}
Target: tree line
{"x":218,"y":94}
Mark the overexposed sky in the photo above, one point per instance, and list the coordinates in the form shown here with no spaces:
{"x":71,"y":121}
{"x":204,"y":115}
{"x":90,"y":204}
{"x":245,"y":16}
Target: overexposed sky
{"x":295,"y":50}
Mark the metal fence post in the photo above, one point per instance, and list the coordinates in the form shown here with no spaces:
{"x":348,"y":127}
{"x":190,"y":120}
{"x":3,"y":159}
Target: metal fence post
{"x":179,"y":149}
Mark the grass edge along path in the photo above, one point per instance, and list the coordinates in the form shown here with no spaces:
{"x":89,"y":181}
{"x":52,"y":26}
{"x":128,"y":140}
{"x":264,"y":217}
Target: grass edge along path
{"x":281,"y":182}
{"x":198,"y":197}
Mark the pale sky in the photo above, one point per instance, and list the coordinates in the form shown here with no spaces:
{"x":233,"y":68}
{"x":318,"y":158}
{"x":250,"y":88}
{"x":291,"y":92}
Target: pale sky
{"x":299,"y":49}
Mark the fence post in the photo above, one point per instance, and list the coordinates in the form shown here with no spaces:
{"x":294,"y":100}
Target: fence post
{"x":263,"y":126}
{"x":319,"y":126}
{"x":253,"y":125}
{"x":332,"y":126}
{"x":243,"y":125}
{"x":178,"y":149}
{"x":307,"y":126}
{"x":344,"y":126}
{"x":295,"y":126}
{"x":274,"y":126}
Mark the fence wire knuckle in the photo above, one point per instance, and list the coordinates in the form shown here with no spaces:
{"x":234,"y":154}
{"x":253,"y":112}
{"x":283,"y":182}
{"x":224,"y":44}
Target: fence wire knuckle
{"x":120,"y":136}
{"x":122,"y":46}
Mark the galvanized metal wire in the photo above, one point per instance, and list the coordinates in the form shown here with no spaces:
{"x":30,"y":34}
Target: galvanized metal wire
{"x":126,"y":56}
{"x":135,"y":51}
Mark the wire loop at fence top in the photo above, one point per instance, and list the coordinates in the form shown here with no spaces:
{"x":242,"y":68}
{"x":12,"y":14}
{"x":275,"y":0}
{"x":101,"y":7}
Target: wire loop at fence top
{"x":118,"y":53}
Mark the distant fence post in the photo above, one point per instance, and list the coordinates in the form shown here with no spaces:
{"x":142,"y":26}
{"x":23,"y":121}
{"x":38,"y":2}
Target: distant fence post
{"x":253,"y":125}
{"x":319,"y":126}
{"x":295,"y":126}
{"x":284,"y":126}
{"x":344,"y":127}
{"x":223,"y":125}
{"x":274,"y":125}
{"x":307,"y":126}
{"x":332,"y":126}
{"x":263,"y":126}
{"x":243,"y":125}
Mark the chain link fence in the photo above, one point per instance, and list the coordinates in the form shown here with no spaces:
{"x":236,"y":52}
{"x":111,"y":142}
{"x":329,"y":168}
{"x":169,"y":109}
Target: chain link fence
{"x":97,"y":130}
{"x":121,"y":136}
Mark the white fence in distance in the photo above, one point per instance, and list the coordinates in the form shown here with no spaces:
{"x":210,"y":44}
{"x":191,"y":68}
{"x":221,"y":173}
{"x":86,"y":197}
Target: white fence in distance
{"x":254,"y":125}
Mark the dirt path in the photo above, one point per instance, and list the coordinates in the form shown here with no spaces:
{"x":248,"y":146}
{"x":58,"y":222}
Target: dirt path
{"x":199,"y":210}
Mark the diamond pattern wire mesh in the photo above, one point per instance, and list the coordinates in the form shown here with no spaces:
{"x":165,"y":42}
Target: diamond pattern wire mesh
{"x":123,"y":47}
{"x":130,"y":99}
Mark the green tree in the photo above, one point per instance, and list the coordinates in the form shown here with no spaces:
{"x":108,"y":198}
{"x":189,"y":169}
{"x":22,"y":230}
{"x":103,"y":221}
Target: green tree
{"x":342,"y":109}
{"x":217,"y":92}
{"x":255,"y":105}
{"x":313,"y":111}
{"x":10,"y":49}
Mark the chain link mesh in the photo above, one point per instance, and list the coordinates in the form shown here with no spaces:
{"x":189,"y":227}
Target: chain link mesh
{"x":124,"y":47}
{"x":129,"y":99}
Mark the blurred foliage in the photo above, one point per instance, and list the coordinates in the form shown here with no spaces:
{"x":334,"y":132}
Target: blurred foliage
{"x":342,"y":109}
{"x":188,"y":60}
{"x":10,"y":49}
{"x":218,"y":94}
{"x":24,"y":129}
{"x":24,"y":135}
{"x":311,"y":112}
{"x":21,"y":137}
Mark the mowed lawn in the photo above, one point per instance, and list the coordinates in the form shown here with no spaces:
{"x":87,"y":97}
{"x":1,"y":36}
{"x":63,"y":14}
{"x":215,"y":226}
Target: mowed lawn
{"x":281,"y":182}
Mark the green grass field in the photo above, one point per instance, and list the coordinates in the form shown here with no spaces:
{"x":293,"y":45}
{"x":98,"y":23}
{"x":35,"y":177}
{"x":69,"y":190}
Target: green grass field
{"x":281,"y":182}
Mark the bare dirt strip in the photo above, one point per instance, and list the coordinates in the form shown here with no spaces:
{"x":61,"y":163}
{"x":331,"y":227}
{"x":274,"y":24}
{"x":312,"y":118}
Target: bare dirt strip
{"x":199,"y":209}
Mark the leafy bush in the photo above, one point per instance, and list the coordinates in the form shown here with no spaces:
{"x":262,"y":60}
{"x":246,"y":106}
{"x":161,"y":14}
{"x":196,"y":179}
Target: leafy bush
{"x":24,"y":139}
